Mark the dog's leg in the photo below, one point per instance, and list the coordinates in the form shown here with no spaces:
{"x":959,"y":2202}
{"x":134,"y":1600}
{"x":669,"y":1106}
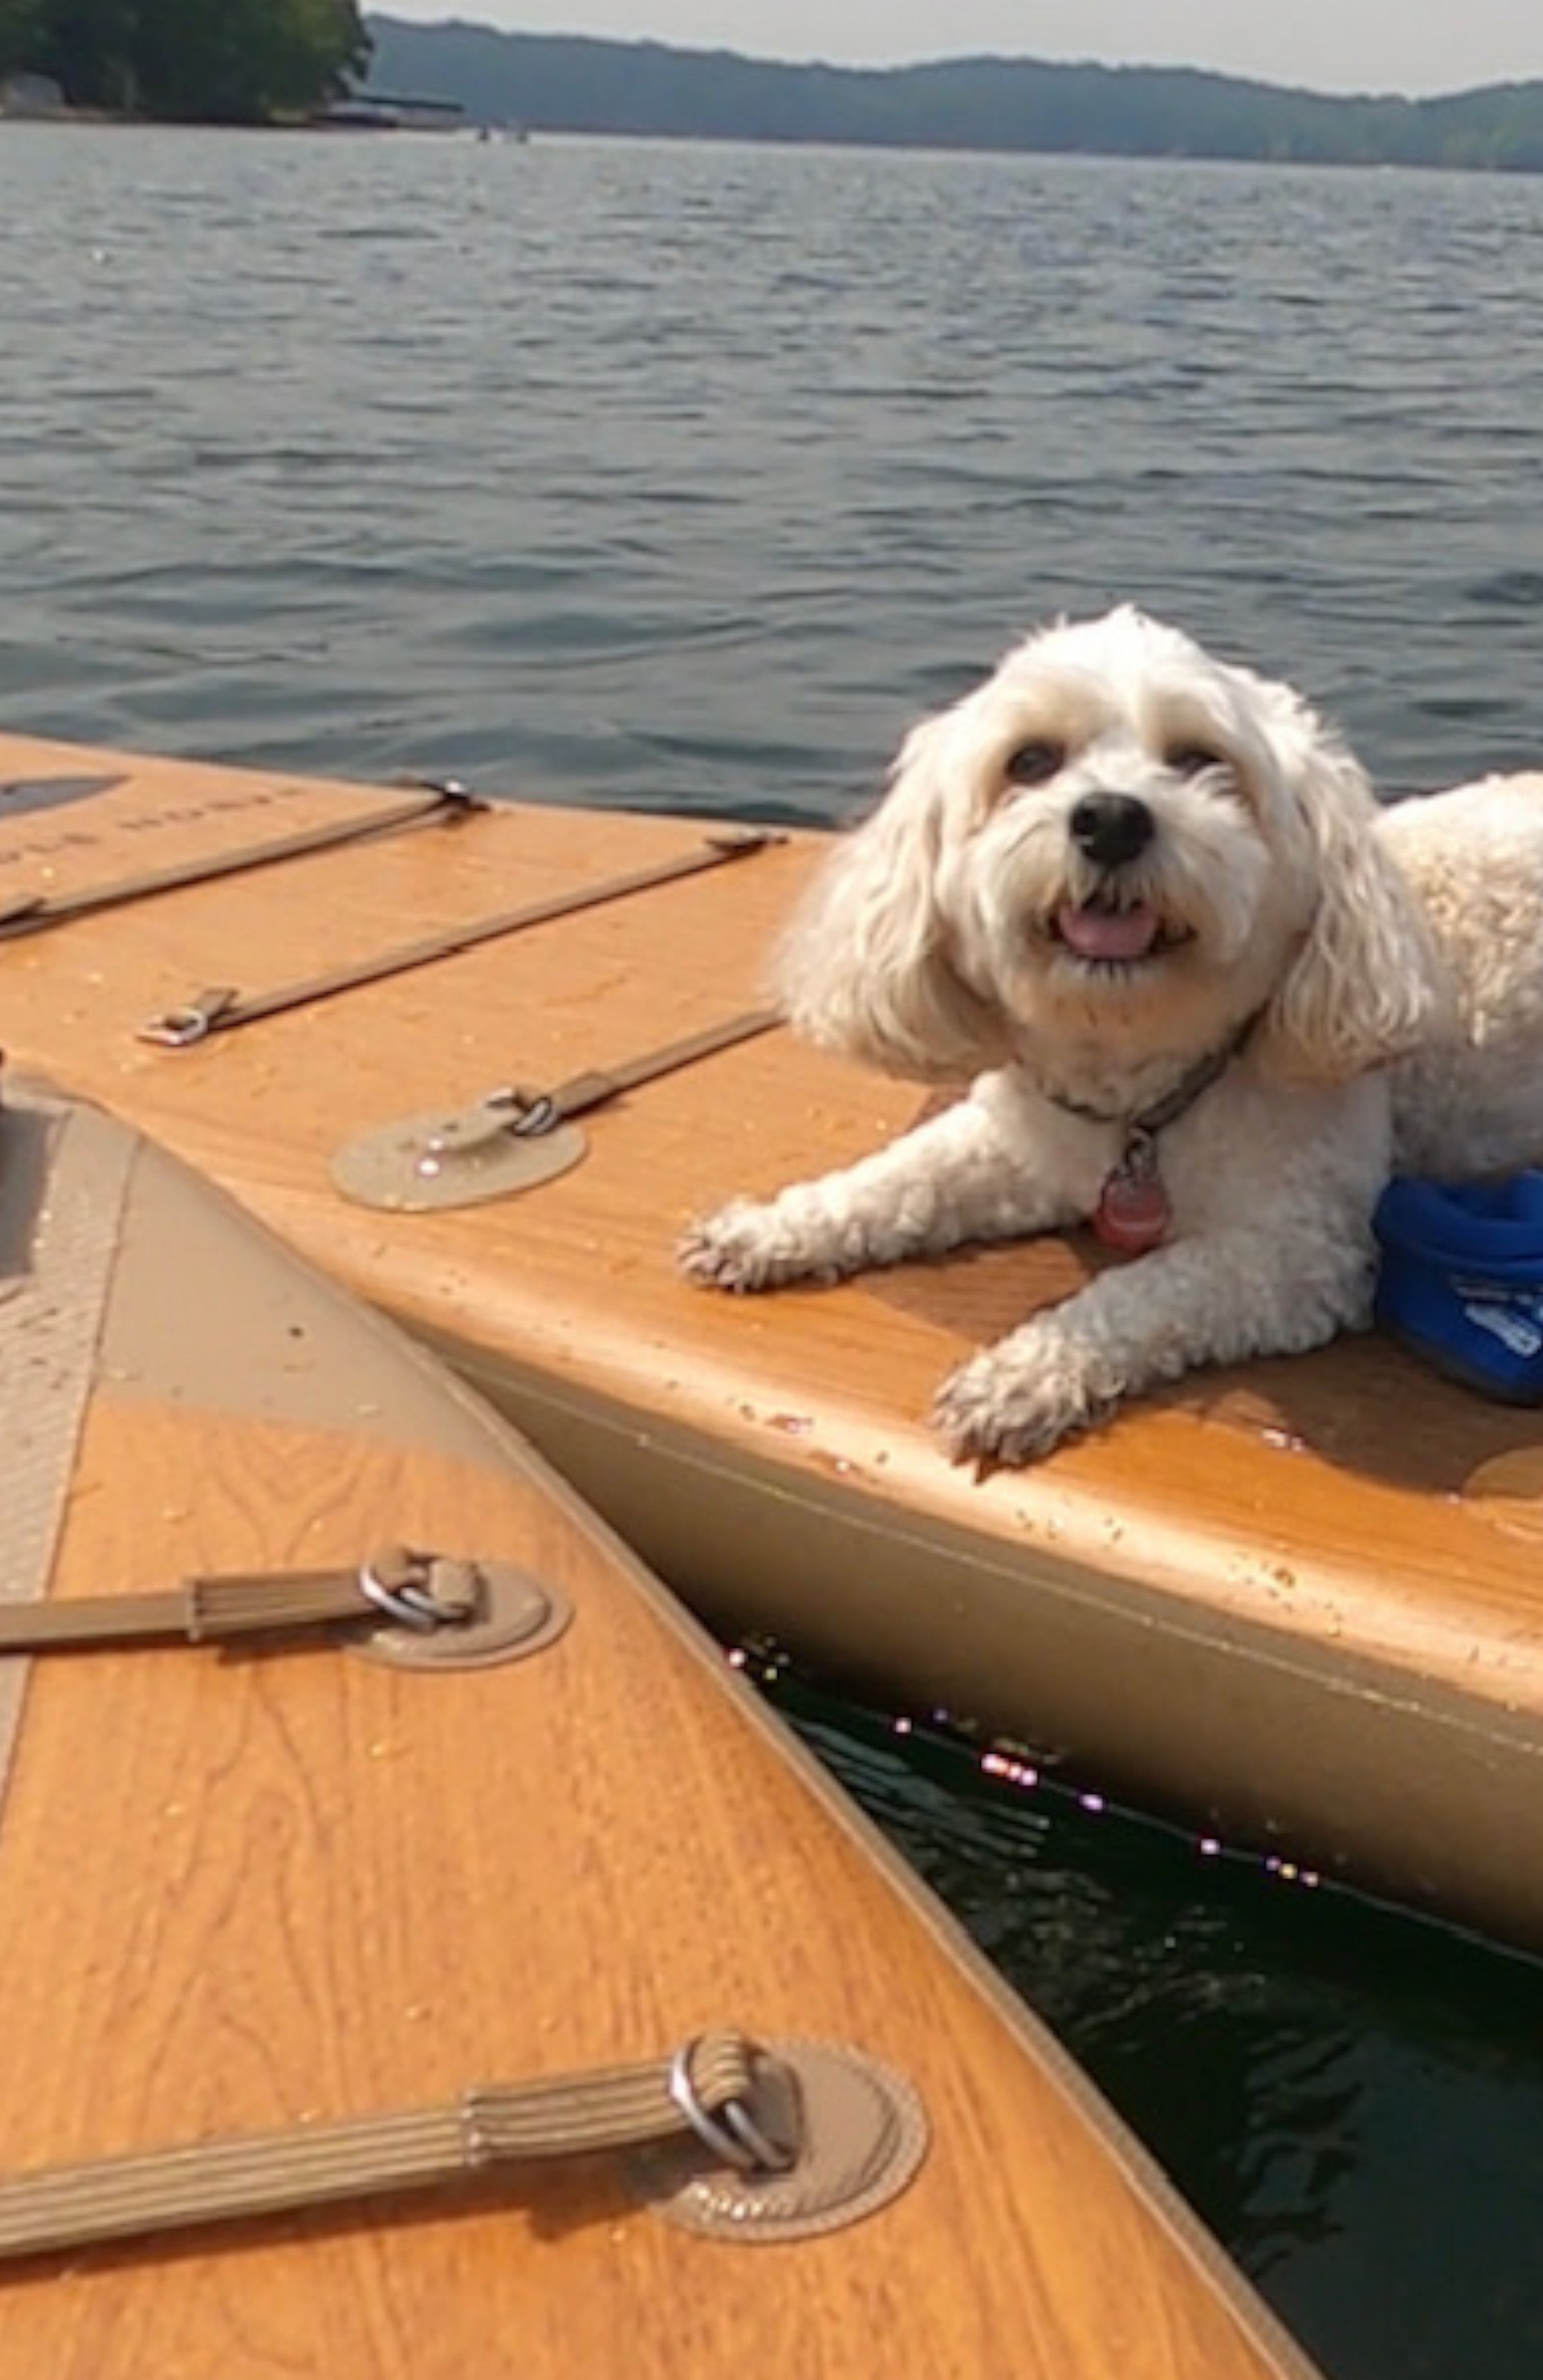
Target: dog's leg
{"x":956,"y":1177}
{"x":1213,"y":1299}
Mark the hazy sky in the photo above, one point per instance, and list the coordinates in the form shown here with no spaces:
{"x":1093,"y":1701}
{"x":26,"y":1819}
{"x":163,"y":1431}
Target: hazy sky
{"x":1408,"y":46}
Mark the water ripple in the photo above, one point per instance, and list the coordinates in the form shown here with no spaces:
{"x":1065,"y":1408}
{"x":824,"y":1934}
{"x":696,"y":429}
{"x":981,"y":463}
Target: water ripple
{"x":671,"y":473}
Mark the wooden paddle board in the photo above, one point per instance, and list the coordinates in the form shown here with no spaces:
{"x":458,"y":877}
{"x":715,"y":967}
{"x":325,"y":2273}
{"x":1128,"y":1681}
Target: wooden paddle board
{"x":285,"y":1885}
{"x":1299,"y":1603}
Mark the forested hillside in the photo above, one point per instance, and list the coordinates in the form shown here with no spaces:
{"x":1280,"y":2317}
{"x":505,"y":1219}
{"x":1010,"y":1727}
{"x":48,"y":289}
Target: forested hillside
{"x":567,"y":83}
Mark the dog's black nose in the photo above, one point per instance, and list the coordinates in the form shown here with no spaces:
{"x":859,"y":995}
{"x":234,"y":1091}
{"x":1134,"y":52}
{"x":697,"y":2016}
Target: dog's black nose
{"x":1111,"y":828}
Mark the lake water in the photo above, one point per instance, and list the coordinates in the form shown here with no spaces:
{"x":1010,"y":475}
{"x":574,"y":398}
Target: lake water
{"x":684,"y":477}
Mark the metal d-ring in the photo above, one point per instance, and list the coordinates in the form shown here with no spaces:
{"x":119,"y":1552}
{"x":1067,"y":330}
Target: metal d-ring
{"x":535,"y":1111}
{"x":178,"y":1028}
{"x":411,"y":1604}
{"x":856,"y":2133}
{"x":481,"y":1612}
{"x":734,"y":2137}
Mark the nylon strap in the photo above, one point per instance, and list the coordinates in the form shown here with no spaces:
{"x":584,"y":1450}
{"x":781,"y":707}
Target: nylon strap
{"x":582,"y":1092}
{"x":224,"y":1008}
{"x":445,"y":804}
{"x":422,"y":1591}
{"x":698,"y":2092}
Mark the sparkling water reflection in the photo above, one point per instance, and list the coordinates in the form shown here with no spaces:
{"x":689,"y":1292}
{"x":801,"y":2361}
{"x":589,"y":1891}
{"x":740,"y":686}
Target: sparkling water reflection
{"x":1353,"y":2100}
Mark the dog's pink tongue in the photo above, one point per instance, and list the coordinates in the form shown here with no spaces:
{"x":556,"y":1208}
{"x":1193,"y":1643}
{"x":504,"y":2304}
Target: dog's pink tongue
{"x":1108,"y":933}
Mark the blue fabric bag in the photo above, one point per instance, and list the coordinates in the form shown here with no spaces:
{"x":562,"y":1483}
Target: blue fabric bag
{"x":1461,"y":1280}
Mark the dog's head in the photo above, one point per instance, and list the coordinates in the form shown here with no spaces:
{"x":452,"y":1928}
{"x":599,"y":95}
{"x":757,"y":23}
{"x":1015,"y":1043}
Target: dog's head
{"x":1121,"y":847}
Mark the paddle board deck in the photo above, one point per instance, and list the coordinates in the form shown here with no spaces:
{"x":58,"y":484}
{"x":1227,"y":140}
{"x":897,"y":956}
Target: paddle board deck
{"x":1297,"y":1602}
{"x":302,"y":1885}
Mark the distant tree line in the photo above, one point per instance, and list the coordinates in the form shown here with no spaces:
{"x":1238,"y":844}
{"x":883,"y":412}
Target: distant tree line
{"x":567,"y":83}
{"x":197,"y":61}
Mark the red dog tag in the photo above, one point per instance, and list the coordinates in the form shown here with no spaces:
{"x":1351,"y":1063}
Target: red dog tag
{"x":1133,"y":1213}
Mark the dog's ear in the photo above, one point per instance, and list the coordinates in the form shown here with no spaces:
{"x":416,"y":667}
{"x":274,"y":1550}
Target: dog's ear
{"x":1367,"y":986}
{"x":865,"y":966}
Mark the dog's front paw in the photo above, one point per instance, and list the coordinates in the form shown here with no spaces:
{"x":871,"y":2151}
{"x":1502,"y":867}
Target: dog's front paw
{"x":743,"y":1246}
{"x":1018,"y":1400}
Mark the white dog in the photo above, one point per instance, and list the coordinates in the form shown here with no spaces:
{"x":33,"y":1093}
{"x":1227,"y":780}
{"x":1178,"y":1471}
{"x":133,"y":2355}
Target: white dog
{"x":1209,"y":997}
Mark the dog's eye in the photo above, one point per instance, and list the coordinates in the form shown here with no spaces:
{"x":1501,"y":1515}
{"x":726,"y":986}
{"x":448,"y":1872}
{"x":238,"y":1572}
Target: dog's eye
{"x":1192,"y":760}
{"x":1036,"y":764}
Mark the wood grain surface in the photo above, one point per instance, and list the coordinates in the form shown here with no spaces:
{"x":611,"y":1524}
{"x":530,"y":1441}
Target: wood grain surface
{"x":248,"y":1891}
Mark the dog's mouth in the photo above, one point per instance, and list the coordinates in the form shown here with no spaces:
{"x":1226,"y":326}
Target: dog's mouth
{"x":1107,"y":932}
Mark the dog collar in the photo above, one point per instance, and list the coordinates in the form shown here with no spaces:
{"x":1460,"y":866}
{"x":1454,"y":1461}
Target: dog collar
{"x":1134,"y":1212}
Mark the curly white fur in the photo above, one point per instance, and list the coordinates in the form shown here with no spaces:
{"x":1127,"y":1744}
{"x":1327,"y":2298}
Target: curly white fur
{"x":1094,"y":872}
